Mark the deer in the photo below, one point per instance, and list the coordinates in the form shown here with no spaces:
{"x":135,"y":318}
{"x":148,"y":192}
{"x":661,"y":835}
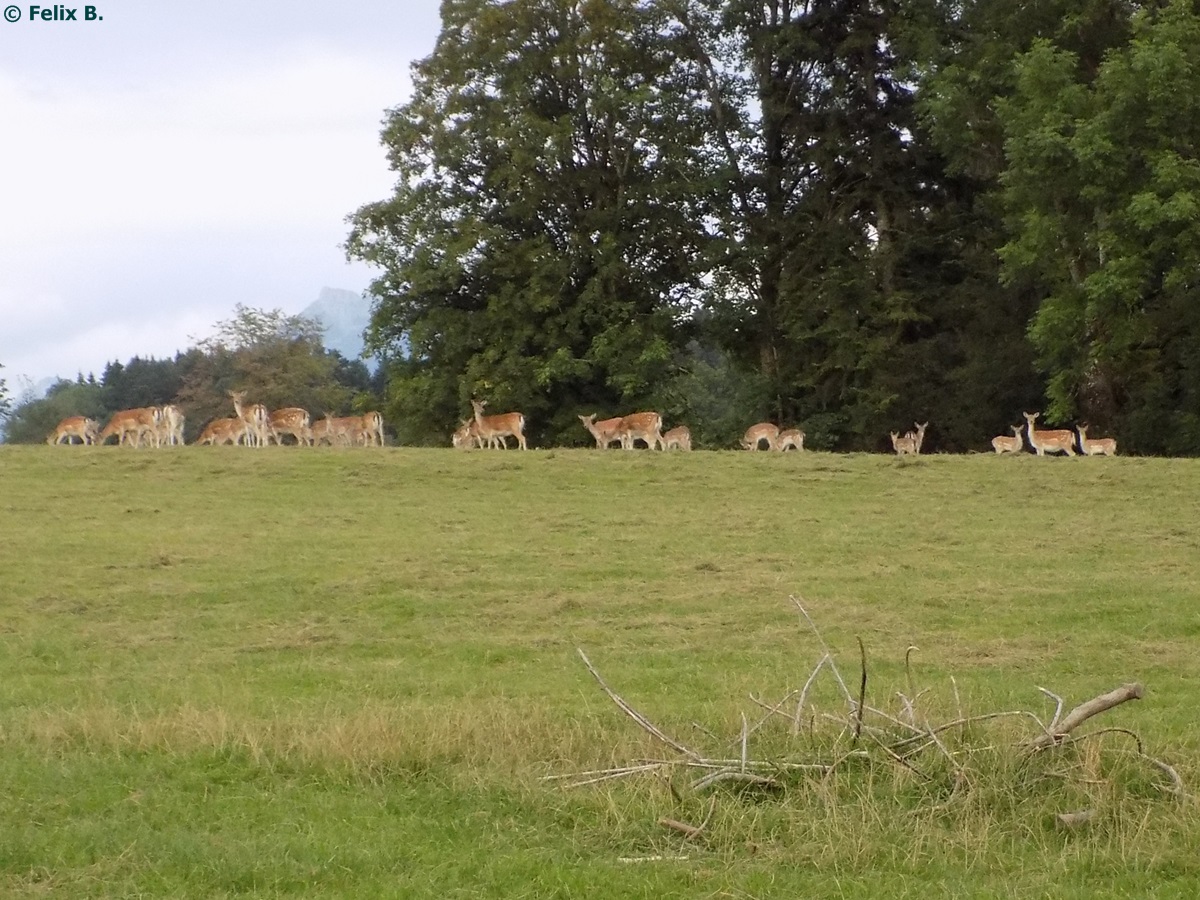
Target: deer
{"x":222,"y":431}
{"x":919,"y":436}
{"x":499,"y":426}
{"x":290,"y":420}
{"x":642,"y":426}
{"x":904,"y":445}
{"x":678,"y":438}
{"x":135,"y":422}
{"x":74,"y":427}
{"x":790,"y":437}
{"x":1053,"y":441}
{"x":170,"y":425}
{"x":1014,"y":444}
{"x":1096,"y":446}
{"x":756,"y":434}
{"x":605,"y":432}
{"x":255,"y":416}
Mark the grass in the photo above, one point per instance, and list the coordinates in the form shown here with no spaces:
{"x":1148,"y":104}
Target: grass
{"x":344,"y":673}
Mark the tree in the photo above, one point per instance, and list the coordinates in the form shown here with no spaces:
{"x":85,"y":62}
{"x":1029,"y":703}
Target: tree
{"x":5,"y":399}
{"x":276,"y":358}
{"x":540,"y":246}
{"x":842,"y":254}
{"x":1103,"y":198}
{"x":31,"y":421}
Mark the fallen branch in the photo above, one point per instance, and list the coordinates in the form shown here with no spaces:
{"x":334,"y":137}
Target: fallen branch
{"x":1075,"y":819}
{"x":747,"y":778}
{"x":633,"y":713}
{"x":832,"y":665}
{"x":1085,"y":711}
{"x":862,"y":694}
{"x":691,"y":832}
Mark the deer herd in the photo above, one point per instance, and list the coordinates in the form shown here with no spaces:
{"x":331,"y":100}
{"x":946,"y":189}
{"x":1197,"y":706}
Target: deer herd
{"x":252,"y":425}
{"x":255,"y":426}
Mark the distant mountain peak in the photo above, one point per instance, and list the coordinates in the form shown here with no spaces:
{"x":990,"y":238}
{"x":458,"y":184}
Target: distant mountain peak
{"x":344,"y":315}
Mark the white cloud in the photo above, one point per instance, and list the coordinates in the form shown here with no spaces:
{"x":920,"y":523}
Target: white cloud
{"x":137,"y":216}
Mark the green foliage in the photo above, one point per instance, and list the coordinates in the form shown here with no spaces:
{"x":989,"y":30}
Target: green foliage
{"x":31,"y":422}
{"x":541,"y":237}
{"x":5,"y":399}
{"x":277,"y":359}
{"x":1101,"y":193}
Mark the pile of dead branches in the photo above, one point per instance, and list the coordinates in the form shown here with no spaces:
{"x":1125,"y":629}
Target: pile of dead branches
{"x":864,"y":736}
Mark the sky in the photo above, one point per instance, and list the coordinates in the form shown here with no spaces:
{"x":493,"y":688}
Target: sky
{"x":163,"y":162}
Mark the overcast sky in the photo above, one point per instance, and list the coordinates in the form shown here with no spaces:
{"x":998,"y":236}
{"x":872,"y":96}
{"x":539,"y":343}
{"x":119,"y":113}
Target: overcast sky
{"x":169,"y":160}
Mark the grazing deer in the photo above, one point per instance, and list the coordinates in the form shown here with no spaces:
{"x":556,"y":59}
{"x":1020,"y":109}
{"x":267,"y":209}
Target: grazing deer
{"x":1014,"y":444}
{"x":605,"y":432}
{"x":135,"y":422}
{"x":500,"y":426}
{"x":642,"y":426}
{"x":74,"y":427}
{"x":222,"y":431}
{"x":904,"y":445}
{"x":678,"y":438}
{"x":756,"y":434}
{"x":1053,"y":441}
{"x":1096,"y":447}
{"x":791,"y":437}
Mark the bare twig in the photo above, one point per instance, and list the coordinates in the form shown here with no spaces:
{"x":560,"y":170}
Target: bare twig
{"x":1085,"y":711}
{"x":862,"y":693}
{"x":825,"y":647}
{"x":747,"y":778}
{"x":804,"y":693}
{"x":1176,"y":782}
{"x":1075,"y":819}
{"x":691,"y":832}
{"x":777,"y":709}
{"x":908,"y":679}
{"x":745,"y":738}
{"x":1058,"y":709}
{"x":633,"y":713}
{"x":901,"y":760}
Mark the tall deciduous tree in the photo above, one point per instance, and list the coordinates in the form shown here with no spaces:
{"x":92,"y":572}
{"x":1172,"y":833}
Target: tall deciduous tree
{"x":835,"y":202}
{"x":1103,"y":197}
{"x":541,"y":243}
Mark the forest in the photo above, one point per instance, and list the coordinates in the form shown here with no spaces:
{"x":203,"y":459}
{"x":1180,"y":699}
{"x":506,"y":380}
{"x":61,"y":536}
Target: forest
{"x":279,"y":357}
{"x":843,"y":216}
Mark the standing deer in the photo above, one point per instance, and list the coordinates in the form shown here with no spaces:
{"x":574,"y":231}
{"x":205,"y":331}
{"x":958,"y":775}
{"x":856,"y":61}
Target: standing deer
{"x":255,"y":416}
{"x":642,"y":426}
{"x":1014,"y":444}
{"x":605,"y":432}
{"x":1096,"y":447}
{"x":512,"y":423}
{"x":1053,"y":441}
{"x":904,"y":445}
{"x":919,"y":436}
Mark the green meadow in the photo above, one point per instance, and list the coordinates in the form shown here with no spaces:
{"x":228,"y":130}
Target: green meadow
{"x":349,"y":673}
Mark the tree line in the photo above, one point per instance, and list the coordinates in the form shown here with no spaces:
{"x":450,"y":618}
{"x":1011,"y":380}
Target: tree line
{"x":846,"y":215}
{"x":278,"y":359}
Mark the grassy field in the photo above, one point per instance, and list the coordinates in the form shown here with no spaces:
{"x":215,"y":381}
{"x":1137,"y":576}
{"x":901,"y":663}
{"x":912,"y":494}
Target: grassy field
{"x":346,"y":673}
